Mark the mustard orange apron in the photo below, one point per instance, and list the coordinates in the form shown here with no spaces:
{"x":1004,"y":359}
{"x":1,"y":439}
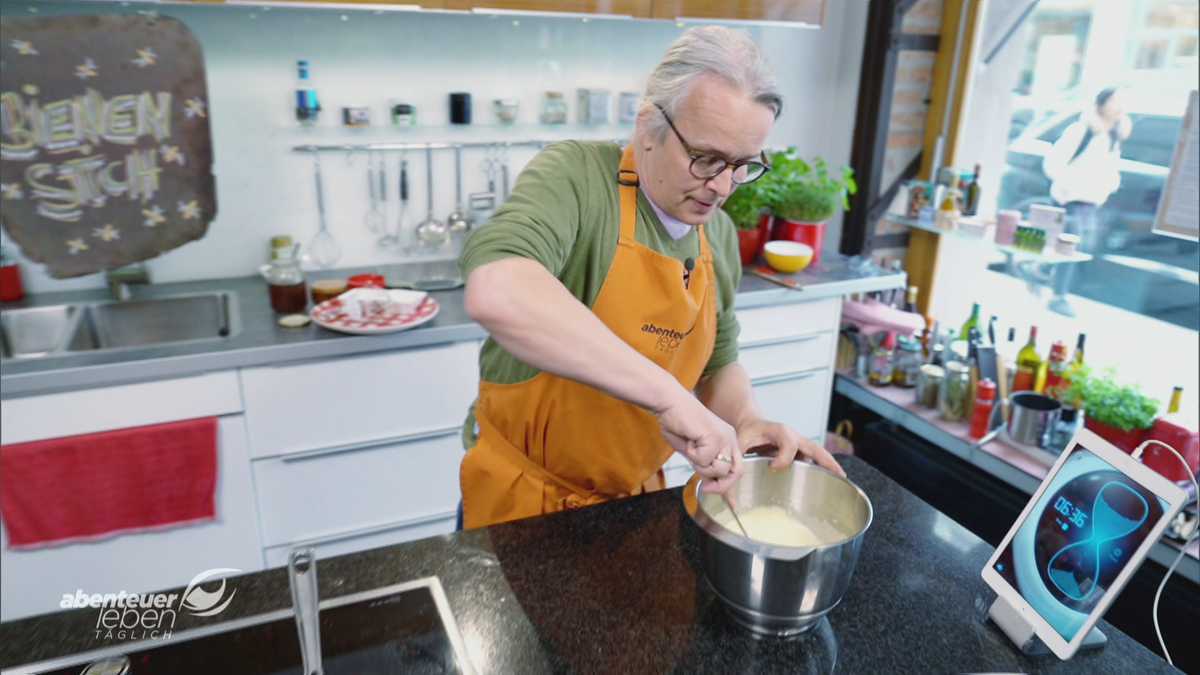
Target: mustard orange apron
{"x":550,"y":443}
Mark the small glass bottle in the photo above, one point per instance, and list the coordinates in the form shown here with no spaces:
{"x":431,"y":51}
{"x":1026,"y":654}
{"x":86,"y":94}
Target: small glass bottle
{"x":285,"y":281}
{"x":554,"y":108}
{"x":879,"y":372}
{"x":308,"y":109}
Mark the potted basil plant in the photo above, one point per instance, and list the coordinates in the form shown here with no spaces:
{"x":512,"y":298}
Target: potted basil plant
{"x":747,"y":209}
{"x":1119,"y":413}
{"x":803,"y":196}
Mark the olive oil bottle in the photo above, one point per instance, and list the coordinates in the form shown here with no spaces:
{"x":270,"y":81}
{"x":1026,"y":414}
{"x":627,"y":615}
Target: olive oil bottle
{"x":1029,"y":365}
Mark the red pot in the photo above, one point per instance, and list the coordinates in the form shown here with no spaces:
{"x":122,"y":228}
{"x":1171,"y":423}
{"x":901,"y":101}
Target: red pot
{"x":812,"y":234}
{"x":750,"y":242}
{"x":1127,"y":441}
{"x":765,"y":221}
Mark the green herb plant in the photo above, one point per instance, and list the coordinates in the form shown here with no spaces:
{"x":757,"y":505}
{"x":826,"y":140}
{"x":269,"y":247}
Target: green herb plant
{"x":745,"y":205}
{"x":806,"y":192}
{"x":1122,"y":406}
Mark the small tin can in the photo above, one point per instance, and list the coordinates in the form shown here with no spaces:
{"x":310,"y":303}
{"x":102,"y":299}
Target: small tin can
{"x":404,"y":115}
{"x":627,"y":107}
{"x":356,"y":116}
{"x":594,"y":105}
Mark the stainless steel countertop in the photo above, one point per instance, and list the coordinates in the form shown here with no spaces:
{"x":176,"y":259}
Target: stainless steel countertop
{"x":262,"y":341}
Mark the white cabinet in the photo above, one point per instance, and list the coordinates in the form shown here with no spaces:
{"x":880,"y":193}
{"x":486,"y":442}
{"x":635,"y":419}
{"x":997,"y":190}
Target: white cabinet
{"x":788,"y":352}
{"x":359,"y":452}
{"x":33,"y":582}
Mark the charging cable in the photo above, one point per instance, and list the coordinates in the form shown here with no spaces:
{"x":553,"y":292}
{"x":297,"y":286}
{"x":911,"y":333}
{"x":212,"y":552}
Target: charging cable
{"x":1137,"y":454}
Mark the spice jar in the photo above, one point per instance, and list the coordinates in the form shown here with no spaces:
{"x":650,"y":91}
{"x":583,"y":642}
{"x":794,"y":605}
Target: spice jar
{"x":879,"y":372}
{"x":907,"y":362}
{"x":404,"y":115}
{"x":285,"y":281}
{"x":952,"y":397}
{"x":929,"y":385}
{"x":506,"y":109}
{"x":326,"y":289}
{"x":554,"y":108}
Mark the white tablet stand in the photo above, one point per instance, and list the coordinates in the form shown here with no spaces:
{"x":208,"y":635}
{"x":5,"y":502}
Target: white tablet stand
{"x":1022,"y":634}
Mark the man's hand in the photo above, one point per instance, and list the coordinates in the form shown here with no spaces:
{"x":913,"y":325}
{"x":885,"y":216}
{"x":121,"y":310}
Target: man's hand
{"x":785,"y":442}
{"x":707,"y":441}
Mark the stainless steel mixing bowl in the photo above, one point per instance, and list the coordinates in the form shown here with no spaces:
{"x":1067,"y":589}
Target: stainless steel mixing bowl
{"x":781,"y":590}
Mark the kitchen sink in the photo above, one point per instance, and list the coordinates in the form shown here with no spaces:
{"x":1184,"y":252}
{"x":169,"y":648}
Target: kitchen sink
{"x":142,"y":323}
{"x":62,"y":330}
{"x":37,"y":331}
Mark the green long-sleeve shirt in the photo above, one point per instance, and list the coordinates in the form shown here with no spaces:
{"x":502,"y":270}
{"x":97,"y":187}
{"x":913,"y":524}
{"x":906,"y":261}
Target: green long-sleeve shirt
{"x":564,"y":212}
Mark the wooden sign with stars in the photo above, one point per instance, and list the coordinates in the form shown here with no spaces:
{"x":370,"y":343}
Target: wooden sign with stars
{"x":105,"y":151}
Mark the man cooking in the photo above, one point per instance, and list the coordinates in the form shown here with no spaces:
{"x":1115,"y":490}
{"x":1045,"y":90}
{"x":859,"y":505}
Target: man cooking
{"x":607,"y":283}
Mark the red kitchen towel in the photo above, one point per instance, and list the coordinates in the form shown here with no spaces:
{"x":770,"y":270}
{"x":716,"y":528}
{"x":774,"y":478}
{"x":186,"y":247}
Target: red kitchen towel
{"x":96,"y":486}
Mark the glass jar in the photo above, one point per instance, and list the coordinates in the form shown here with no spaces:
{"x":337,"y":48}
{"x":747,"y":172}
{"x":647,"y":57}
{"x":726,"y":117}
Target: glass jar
{"x":506,"y":110}
{"x":929,"y":385}
{"x":907,"y":362}
{"x":952,"y":397}
{"x":285,"y":281}
{"x":879,"y":371}
{"x":554,"y":108}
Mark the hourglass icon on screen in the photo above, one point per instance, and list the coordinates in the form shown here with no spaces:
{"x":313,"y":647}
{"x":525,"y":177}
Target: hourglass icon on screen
{"x":1070,"y":572}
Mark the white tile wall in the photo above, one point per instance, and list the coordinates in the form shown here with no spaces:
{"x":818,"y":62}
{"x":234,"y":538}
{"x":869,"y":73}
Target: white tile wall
{"x":370,"y":58}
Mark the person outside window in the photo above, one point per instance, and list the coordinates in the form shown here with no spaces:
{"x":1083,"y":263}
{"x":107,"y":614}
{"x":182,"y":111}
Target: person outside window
{"x":1084,"y":165}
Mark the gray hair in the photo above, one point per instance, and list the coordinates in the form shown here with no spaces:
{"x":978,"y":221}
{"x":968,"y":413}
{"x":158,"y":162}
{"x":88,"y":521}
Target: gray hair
{"x":717,"y":50}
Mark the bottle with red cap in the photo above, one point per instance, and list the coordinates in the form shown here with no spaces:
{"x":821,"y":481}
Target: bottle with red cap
{"x":1056,"y":368}
{"x":985,"y":398}
{"x":880,"y":371}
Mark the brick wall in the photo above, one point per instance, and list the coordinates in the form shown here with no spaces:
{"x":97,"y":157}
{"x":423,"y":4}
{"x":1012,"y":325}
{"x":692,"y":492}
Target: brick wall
{"x":906,"y":127}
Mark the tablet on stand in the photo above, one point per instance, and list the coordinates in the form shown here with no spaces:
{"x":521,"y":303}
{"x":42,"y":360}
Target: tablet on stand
{"x":1080,"y":538}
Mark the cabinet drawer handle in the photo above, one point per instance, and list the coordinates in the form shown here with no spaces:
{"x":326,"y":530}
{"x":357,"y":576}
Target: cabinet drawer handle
{"x":767,"y":342}
{"x":375,"y":529}
{"x":314,"y":453}
{"x":786,"y":377}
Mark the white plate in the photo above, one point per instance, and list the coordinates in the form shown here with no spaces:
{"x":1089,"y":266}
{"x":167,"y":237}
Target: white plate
{"x":328,"y":315}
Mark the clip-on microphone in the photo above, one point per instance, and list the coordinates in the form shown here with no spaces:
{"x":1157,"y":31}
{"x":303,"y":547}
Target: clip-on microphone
{"x":688,"y":266}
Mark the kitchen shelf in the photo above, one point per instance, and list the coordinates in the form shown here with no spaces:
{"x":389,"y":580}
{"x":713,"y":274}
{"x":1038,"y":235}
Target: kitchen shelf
{"x":331,"y":138}
{"x":1048,"y":256}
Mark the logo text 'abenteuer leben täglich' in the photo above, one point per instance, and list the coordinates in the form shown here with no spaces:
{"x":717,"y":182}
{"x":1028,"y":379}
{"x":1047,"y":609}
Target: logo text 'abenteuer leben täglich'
{"x":140,"y":616}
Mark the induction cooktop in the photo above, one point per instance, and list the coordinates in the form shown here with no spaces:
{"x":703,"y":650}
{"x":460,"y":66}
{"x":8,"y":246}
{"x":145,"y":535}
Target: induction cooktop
{"x":406,"y":628}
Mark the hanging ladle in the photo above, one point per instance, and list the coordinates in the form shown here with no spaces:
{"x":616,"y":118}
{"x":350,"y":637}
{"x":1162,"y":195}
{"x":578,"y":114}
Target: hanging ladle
{"x":432,"y":232}
{"x":459,"y":221}
{"x":325,"y":250}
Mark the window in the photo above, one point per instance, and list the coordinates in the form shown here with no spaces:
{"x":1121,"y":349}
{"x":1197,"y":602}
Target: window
{"x":1138,"y":296}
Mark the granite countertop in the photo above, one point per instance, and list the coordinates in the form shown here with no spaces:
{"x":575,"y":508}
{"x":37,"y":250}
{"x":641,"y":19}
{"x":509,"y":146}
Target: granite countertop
{"x":260,"y":341}
{"x":617,"y":588}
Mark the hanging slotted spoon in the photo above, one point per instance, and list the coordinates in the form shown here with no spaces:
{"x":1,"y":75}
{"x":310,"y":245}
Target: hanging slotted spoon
{"x":324,"y":249}
{"x":432,"y":233}
{"x":375,"y":219}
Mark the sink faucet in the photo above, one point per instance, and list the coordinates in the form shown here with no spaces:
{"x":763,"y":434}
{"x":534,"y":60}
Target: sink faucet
{"x":118,"y":280}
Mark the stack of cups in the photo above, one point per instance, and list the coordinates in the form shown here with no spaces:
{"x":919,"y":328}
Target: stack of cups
{"x":1006,"y":226}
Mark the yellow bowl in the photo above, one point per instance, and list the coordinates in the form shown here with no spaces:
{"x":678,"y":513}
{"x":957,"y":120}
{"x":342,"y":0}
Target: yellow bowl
{"x":787,"y":256}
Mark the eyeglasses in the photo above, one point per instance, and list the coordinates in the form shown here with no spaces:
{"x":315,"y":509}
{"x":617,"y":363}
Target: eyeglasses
{"x":706,"y":166}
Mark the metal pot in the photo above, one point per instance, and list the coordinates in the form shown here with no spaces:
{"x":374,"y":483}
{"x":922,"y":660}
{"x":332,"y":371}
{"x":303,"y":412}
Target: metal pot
{"x":781,"y":590}
{"x":1032,"y":418}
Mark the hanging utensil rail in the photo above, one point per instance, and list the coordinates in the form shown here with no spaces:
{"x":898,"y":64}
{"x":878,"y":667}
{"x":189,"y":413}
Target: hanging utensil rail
{"x":350,"y":147}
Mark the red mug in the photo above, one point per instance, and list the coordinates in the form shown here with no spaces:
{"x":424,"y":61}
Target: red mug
{"x":365,"y":281}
